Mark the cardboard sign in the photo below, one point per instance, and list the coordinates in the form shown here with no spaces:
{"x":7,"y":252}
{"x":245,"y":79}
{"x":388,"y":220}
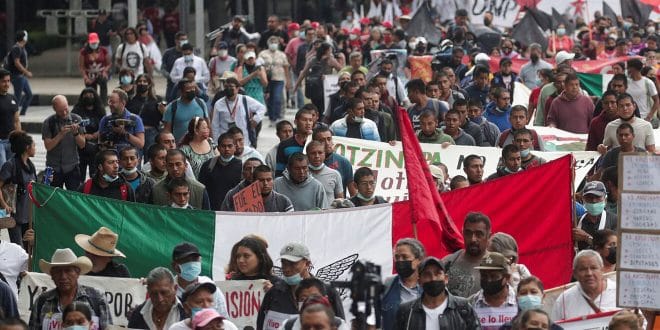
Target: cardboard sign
{"x":121,"y":294}
{"x":243,"y":300}
{"x":249,"y":199}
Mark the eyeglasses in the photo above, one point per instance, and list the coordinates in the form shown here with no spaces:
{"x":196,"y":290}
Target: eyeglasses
{"x":367,"y":183}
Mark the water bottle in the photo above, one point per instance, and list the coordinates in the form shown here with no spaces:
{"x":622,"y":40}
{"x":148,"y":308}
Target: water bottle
{"x":48,"y":173}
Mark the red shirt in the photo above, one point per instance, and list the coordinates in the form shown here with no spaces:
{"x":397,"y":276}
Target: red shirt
{"x":597,"y":131}
{"x":94,"y":62}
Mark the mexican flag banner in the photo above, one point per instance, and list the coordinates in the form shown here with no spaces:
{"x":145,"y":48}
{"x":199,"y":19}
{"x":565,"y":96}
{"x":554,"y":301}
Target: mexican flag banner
{"x":594,"y":83}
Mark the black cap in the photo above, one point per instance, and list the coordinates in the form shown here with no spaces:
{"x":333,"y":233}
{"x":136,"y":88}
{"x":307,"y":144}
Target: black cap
{"x":430,"y":261}
{"x":192,"y":288}
{"x":184,"y":250}
{"x":461,"y":13}
{"x":187,"y":46}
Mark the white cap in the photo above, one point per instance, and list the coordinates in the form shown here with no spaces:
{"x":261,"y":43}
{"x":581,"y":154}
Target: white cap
{"x":422,"y":40}
{"x":249,"y":54}
{"x":563,"y":56}
{"x":481,"y":57}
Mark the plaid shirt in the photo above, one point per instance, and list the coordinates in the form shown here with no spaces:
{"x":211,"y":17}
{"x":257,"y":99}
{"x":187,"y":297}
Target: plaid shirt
{"x":48,"y":304}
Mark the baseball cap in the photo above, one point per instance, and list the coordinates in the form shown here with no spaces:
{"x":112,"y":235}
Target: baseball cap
{"x":430,"y":261}
{"x":184,"y":250}
{"x":239,"y":18}
{"x":249,"y":54}
{"x":494,"y":261}
{"x":563,"y":56}
{"x":204,"y":317}
{"x":293,"y":26}
{"x":192,"y":288}
{"x":294,"y":252}
{"x":481,"y":57}
{"x":223,"y":45}
{"x":437,"y":173}
{"x":596,"y":188}
{"x":387,"y":24}
{"x":93,"y":38}
{"x":365,"y":21}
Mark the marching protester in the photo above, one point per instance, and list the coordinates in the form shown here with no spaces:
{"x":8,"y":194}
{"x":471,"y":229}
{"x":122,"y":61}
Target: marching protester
{"x":496,"y":294}
{"x":605,"y":243}
{"x":518,"y":119}
{"x":524,"y":140}
{"x":221,"y":173}
{"x":329,"y":178}
{"x":312,"y":291}
{"x":198,"y":302}
{"x":163,"y":308}
{"x":197,"y":144}
{"x":529,"y":295}
{"x":273,"y":201}
{"x":175,"y":162}
{"x":238,"y":110}
{"x":473,"y":166}
{"x":334,"y":160}
{"x":365,"y":182}
{"x":147,"y":104}
{"x":107,"y":182}
{"x":94,"y":63}
{"x":247,"y":178}
{"x":178,"y":191}
{"x":249,"y":260}
{"x":243,"y":152}
{"x":596,"y":218}
{"x":101,"y":249}
{"x":90,"y":107}
{"x":305,"y":192}
{"x":182,"y":110}
{"x":140,"y":183}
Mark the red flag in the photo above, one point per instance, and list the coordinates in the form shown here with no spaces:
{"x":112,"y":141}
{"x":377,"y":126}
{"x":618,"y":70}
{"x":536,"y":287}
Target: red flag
{"x":534,"y":206}
{"x":428,"y":212}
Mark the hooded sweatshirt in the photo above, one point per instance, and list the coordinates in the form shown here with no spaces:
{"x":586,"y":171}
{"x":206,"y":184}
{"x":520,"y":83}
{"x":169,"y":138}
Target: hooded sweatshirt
{"x":307,"y":195}
{"x":571,"y":115}
{"x":497,"y":116}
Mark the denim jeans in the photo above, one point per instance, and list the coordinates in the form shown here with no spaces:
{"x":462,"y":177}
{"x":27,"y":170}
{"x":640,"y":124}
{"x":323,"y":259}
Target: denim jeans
{"x":5,"y":151}
{"x":300,"y":98}
{"x":275,"y":98}
{"x":22,"y":92}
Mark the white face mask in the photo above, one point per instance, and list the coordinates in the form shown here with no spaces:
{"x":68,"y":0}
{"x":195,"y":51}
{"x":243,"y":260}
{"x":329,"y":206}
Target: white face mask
{"x":358,"y":119}
{"x":273,"y":46}
{"x":188,"y":58}
{"x":222,"y":53}
{"x":353,"y":37}
{"x":176,"y":206}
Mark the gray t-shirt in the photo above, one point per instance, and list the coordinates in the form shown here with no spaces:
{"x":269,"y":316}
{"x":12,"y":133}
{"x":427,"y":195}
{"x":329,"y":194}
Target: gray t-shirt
{"x":63,"y":158}
{"x":528,"y":72}
{"x":464,"y":280}
{"x":331,"y":180}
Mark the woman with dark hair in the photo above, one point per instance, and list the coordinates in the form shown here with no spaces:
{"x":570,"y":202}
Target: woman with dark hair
{"x":197,"y":144}
{"x":127,"y":82}
{"x":19,"y":171}
{"x":253,"y":77}
{"x":529,"y":296}
{"x":77,"y":316}
{"x":91,"y":109}
{"x":148,"y":106}
{"x":94,"y":63}
{"x":605,"y":242}
{"x":250,"y":260}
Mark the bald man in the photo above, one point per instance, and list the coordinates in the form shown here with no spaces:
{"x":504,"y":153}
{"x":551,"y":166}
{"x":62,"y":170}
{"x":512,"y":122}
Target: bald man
{"x":62,"y":137}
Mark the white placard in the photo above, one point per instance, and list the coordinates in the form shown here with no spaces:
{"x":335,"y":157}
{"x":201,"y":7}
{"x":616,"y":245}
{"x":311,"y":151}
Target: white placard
{"x":639,"y":290}
{"x":640,"y":211}
{"x":640,"y":252}
{"x":243,"y":300}
{"x":641,"y":173}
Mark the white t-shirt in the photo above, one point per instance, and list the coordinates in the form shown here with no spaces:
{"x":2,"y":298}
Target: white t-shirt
{"x":13,"y":261}
{"x":644,"y":135}
{"x":132,"y":56}
{"x":642,"y":92}
{"x":433,"y":315}
{"x":572,"y":303}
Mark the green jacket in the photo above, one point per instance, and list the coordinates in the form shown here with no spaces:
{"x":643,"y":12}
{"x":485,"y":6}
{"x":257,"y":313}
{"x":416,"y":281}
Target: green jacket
{"x":438,"y":137}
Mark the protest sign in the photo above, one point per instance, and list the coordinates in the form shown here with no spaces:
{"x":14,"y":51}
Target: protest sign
{"x":638,"y":266}
{"x":330,"y":86}
{"x":420,"y":67}
{"x":388,"y":162}
{"x":121,"y":294}
{"x":591,"y":322}
{"x":249,"y":199}
{"x":243,"y":300}
{"x":491,"y":318}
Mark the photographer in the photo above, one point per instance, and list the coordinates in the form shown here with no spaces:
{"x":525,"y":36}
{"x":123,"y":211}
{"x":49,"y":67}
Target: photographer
{"x":120,"y":128}
{"x":62,"y":137}
{"x":90,"y":108}
{"x":436,"y":303}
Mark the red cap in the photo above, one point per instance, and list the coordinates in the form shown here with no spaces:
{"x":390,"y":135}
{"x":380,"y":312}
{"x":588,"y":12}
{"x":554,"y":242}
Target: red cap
{"x":365,"y":21}
{"x":387,"y":24}
{"x":293,"y":26}
{"x":93,"y":38}
{"x":315,"y":25}
{"x":344,"y":31}
{"x":356,"y":31}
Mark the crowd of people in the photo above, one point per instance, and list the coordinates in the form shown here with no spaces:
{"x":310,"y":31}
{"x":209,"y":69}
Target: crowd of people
{"x":193,"y":146}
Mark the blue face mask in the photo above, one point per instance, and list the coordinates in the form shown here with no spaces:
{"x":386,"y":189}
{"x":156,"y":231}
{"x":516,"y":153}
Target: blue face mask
{"x":194,"y":311}
{"x":190,"y":270}
{"x":125,"y":80}
{"x":316,"y":168}
{"x":301,"y":35}
{"x":529,"y":302}
{"x":293,"y":280}
{"x":109,"y":179}
{"x":524,"y":153}
{"x":226,"y":160}
{"x":476,"y":120}
{"x":364,"y":198}
{"x":595,"y":208}
{"x":77,"y":327}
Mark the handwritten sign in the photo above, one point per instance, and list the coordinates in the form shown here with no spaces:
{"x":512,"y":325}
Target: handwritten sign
{"x":121,"y":294}
{"x":640,"y":211}
{"x":639,"y":290}
{"x":641,"y":173}
{"x":249,"y":199}
{"x":493,"y":318}
{"x":275,"y":320}
{"x":243,"y":300}
{"x":640,"y":251}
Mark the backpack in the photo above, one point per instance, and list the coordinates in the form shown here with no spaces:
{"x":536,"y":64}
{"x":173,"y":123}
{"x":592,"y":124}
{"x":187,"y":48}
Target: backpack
{"x":123,"y":52}
{"x":251,"y":133}
{"x":123,"y":189}
{"x":175,"y":105}
{"x":314,"y":79}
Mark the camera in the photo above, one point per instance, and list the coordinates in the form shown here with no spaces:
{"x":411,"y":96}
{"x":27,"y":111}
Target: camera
{"x":85,"y":122}
{"x":366,"y":290}
{"x":127,"y":123}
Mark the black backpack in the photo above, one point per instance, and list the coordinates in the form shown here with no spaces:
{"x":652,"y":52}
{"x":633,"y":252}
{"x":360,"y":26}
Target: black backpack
{"x":314,"y":79}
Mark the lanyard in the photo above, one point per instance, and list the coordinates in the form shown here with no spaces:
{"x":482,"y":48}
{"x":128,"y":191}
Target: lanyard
{"x":232,"y":111}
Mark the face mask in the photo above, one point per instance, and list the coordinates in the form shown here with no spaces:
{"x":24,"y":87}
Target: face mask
{"x":561,"y":31}
{"x":353,"y":37}
{"x":190,"y":95}
{"x":293,"y":280}
{"x":183,"y":42}
{"x":195,"y":310}
{"x":609,"y":48}
{"x":188,"y":58}
{"x":404,"y":268}
{"x":364,"y":198}
{"x":273,"y":47}
{"x":538,"y":82}
{"x":109,"y":179}
{"x":177,"y":206}
{"x":650,"y":30}
{"x":506,"y":169}
{"x":125,"y":80}
{"x":487,"y":22}
{"x":302,"y":34}
{"x":141,"y":89}
{"x":358,"y":119}
{"x":611,"y":257}
{"x":434,"y":288}
{"x":222,"y":53}
{"x":349,"y":18}
{"x":529,"y":302}
{"x":94,"y":46}
{"x":229,"y":92}
{"x":76,"y":327}
{"x":316,"y":168}
{"x":595,"y":208}
{"x":128,"y":172}
{"x":226,"y":160}
{"x":88,"y":101}
{"x":524,"y":153}
{"x":492,"y":287}
{"x":534,"y":58}
{"x":627,"y":25}
{"x":190,"y":270}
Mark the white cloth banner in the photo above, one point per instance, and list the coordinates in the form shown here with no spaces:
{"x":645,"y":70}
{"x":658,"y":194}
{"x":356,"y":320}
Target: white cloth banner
{"x":330,"y":86}
{"x":591,"y":322}
{"x":388,"y":161}
{"x":121,"y":294}
{"x":243,"y":300}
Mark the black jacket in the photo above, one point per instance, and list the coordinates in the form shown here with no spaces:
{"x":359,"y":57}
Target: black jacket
{"x":458,"y":315}
{"x":280,"y":299}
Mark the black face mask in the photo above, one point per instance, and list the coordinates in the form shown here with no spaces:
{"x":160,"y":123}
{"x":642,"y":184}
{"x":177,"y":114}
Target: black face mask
{"x":88,"y":101}
{"x":190,"y":95}
{"x":434,"y":288}
{"x":404,"y":268}
{"x":611,"y":257}
{"x":534,"y":58}
{"x":384,"y":73}
{"x":229,"y":92}
{"x":141,"y":89}
{"x":491,"y":287}
{"x":609,"y":48}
